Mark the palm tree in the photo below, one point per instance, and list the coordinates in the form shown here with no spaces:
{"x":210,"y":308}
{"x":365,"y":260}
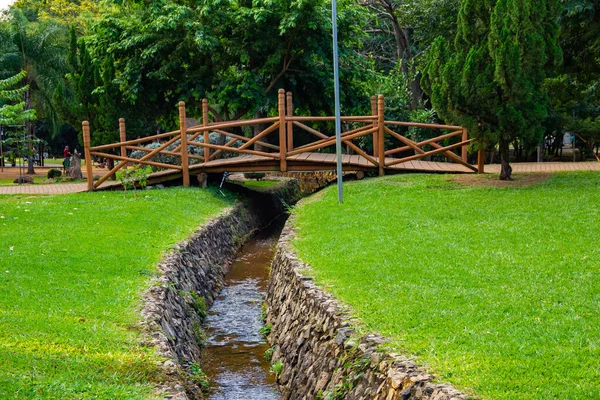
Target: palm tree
{"x":40,"y":49}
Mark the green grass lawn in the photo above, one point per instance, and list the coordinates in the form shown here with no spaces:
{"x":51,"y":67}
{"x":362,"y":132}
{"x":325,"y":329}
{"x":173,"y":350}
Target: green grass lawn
{"x":70,"y":299}
{"x":497,"y":290}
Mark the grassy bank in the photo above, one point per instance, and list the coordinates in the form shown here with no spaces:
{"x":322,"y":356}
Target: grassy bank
{"x":496,"y":289}
{"x":72,"y":271}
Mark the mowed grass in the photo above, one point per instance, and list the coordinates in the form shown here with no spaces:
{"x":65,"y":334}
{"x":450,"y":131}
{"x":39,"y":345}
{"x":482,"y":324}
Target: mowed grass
{"x":497,"y":290}
{"x":72,"y":270}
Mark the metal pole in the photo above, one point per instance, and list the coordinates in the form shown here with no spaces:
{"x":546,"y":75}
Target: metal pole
{"x":336,"y":85}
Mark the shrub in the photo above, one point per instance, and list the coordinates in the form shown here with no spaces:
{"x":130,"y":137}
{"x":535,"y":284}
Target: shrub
{"x":254,"y":175}
{"x":134,"y":176}
{"x":54,"y":173}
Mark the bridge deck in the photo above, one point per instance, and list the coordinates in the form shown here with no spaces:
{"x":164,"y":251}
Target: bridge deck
{"x":319,"y":162}
{"x":305,"y":162}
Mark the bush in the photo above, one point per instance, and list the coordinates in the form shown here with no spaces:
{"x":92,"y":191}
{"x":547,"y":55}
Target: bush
{"x":54,"y":173}
{"x":254,"y":175}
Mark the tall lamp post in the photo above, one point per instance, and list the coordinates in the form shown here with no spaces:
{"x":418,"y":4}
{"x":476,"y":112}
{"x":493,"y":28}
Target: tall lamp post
{"x":336,"y":87}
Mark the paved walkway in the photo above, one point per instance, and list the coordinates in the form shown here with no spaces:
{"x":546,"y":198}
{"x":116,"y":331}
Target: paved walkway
{"x":57,"y":188}
{"x":546,"y":167}
{"x":492,"y":168}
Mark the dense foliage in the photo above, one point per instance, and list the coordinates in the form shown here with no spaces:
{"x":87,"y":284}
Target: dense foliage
{"x":99,"y":61}
{"x":490,"y":79}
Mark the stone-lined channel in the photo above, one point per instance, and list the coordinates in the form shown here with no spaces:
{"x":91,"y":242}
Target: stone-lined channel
{"x":233,"y":355}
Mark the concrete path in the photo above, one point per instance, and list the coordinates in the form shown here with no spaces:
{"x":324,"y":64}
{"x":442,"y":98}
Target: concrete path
{"x":546,"y":167}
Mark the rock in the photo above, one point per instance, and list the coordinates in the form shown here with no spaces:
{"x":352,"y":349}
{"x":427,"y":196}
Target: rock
{"x":23,"y":179}
{"x":74,"y":170}
{"x":316,"y":343}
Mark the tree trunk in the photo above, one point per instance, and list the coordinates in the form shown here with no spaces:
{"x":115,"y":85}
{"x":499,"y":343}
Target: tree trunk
{"x":506,"y":169}
{"x":29,"y":127}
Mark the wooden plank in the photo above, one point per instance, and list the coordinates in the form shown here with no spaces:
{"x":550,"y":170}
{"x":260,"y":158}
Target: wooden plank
{"x":310,"y":130}
{"x":362,"y":118}
{"x":420,"y":125}
{"x":236,"y":149}
{"x":136,"y":141}
{"x":134,"y":160}
{"x":232,"y":124}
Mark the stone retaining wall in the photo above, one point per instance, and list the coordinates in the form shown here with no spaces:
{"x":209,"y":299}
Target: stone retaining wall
{"x":191,"y":276}
{"x":322,"y":357}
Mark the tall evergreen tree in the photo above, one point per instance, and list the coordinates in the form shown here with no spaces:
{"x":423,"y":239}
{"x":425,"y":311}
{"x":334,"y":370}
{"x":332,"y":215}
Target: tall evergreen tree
{"x":490,"y":80}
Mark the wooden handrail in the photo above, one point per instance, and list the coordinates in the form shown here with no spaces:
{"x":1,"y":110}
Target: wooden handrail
{"x":135,"y":160}
{"x":428,"y":153}
{"x":223,"y":125}
{"x":146,"y":157}
{"x":246,"y":139}
{"x":285,"y":122}
{"x":235,"y":149}
{"x":310,"y":130}
{"x":328,"y":138}
{"x":421,"y":125}
{"x":361,"y":152}
{"x":415,"y":146}
{"x":169,"y":153}
{"x":330,"y":142}
{"x":365,"y":118}
{"x":424,"y":142}
{"x":136,"y":141}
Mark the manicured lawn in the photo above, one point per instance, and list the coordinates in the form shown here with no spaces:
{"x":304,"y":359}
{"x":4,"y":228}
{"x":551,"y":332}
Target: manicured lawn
{"x":496,"y":289}
{"x":72,"y":269}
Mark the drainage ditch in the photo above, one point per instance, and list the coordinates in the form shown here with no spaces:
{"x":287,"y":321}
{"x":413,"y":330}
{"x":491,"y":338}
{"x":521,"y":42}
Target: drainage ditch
{"x":233,"y":355}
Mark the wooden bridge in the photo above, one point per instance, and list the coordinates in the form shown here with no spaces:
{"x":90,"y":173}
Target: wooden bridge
{"x":190,"y":152}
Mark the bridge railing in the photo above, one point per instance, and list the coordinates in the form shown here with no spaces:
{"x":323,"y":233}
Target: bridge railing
{"x":372,"y":126}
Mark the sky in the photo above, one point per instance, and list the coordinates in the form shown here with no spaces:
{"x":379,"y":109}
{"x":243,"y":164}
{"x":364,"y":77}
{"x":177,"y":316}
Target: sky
{"x":5,"y":3}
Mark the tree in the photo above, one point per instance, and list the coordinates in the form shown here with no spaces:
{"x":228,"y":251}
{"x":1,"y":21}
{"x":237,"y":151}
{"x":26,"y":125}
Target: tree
{"x":39,"y":49}
{"x":236,"y":53}
{"x":401,"y":30}
{"x":15,"y":115}
{"x":490,"y":80}
{"x":575,"y":93}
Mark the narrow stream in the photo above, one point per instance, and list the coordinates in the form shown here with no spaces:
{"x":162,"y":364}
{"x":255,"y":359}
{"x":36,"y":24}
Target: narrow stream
{"x":233,"y":356}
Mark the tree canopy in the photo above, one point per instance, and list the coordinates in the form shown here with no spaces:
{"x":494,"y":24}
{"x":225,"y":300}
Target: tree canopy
{"x":491,"y":65}
{"x":490,"y":79}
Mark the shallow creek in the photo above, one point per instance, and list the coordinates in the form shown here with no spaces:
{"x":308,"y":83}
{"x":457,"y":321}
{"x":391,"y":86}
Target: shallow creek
{"x":233,"y":356}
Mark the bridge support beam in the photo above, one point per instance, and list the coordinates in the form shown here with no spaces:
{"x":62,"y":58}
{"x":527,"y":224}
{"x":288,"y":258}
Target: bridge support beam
{"x":290,"y":124}
{"x":481,"y":159}
{"x":282,"y":133}
{"x":376,"y":133}
{"x":381,"y":130}
{"x":123,"y":137}
{"x":185,"y":172}
{"x":85,"y":125}
{"x":205,"y":123}
{"x":465,"y":137}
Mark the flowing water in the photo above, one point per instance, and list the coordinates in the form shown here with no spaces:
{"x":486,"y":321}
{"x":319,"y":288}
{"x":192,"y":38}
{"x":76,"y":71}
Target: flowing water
{"x":233,"y":356}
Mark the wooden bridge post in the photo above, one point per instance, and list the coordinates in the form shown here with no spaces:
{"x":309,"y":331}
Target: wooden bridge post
{"x":465,"y":137}
{"x":185,"y":172}
{"x":85,"y":125}
{"x":290,"y":124}
{"x":376,"y":133}
{"x":123,"y":137}
{"x":282,"y":134}
{"x":481,"y":159}
{"x":381,"y":131}
{"x":205,"y":123}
